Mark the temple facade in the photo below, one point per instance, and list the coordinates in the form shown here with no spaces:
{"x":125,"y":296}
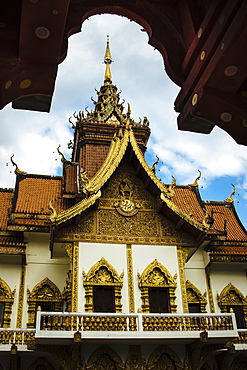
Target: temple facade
{"x":108,"y":268}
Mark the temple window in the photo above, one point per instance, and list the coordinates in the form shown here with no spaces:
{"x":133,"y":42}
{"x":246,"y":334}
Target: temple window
{"x":6,"y":303}
{"x":232,"y":300}
{"x":196,"y":300}
{"x":157,"y":289}
{"x":45,"y":295}
{"x":103,"y":287}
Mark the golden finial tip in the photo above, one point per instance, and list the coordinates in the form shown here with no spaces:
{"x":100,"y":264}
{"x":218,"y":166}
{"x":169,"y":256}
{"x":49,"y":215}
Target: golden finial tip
{"x":107,"y":61}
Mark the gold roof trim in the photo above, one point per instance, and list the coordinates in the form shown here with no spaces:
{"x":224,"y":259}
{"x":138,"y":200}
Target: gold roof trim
{"x":183,"y":215}
{"x":114,"y":157}
{"x":76,"y":209}
{"x":116,"y":152}
{"x":230,"y":199}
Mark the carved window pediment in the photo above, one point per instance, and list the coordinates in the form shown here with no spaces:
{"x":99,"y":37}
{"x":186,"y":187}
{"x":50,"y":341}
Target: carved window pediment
{"x":7,"y":300}
{"x":155,"y":275}
{"x":195,"y":297}
{"x":44,"y":293}
{"x":103,"y":274}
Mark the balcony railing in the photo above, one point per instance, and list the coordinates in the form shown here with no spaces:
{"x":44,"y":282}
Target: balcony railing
{"x":54,"y":324}
{"x":16,"y":336}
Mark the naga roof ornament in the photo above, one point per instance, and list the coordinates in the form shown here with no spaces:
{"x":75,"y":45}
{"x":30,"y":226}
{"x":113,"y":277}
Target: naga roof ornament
{"x":230,"y":199}
{"x":195,"y":183}
{"x":17,"y":170}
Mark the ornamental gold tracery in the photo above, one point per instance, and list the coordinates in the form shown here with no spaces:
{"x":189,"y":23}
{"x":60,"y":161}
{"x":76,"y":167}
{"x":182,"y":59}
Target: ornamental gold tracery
{"x":7,"y":298}
{"x":104,"y":358}
{"x":102,"y":273}
{"x":44,"y":291}
{"x":195,"y":296}
{"x":231,"y":296}
{"x":164,"y":358}
{"x":155,"y":275}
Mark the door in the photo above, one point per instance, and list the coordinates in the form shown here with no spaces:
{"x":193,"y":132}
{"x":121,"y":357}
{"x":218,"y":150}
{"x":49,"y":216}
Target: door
{"x":103,"y":299}
{"x":159,"y":300}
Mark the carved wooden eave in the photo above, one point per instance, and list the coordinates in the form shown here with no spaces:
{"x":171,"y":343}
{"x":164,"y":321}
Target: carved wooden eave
{"x":126,"y":145}
{"x":76,"y":209}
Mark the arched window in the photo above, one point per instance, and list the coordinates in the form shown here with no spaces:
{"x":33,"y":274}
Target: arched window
{"x":105,"y":358}
{"x":45,"y":295}
{"x":164,"y":358}
{"x":41,"y":364}
{"x":239,"y":363}
{"x":157,"y":289}
{"x":6,"y":302}
{"x":196,"y":301}
{"x":103,"y":288}
{"x":232,"y":299}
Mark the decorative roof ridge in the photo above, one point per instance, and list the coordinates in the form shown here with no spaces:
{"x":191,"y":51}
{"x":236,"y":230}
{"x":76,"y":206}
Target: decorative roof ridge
{"x":163,"y":189}
{"x":7,"y":190}
{"x":114,"y":157}
{"x":40,"y":176}
{"x":76,"y":209}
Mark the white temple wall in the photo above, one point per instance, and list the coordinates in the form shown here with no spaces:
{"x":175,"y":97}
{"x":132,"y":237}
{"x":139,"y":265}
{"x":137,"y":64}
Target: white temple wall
{"x":195,"y":271}
{"x":11,"y":274}
{"x":224,"y":273}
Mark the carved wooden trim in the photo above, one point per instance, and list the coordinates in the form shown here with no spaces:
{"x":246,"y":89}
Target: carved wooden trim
{"x":156,"y":275}
{"x":102,"y":273}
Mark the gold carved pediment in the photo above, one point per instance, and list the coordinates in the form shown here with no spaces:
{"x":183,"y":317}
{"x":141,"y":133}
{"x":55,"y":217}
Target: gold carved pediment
{"x":102,"y":273}
{"x":156,"y":275}
{"x":126,"y":213}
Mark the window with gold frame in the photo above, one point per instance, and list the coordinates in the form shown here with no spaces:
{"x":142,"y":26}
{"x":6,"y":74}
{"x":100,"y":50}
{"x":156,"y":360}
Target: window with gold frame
{"x":6,"y":303}
{"x":156,"y":276}
{"x":102,"y":276}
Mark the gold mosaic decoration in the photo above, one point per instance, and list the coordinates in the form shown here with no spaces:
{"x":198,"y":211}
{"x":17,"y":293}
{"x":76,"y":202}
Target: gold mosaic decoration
{"x":156,"y":275}
{"x":75,"y":277}
{"x":182,"y":257}
{"x":102,"y":273}
{"x":44,"y":291}
{"x":7,"y":298}
{"x":130,"y":278}
{"x":21,"y":297}
{"x":195,"y":296}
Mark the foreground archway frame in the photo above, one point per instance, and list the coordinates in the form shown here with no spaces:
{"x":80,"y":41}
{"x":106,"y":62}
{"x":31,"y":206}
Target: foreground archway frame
{"x":201,"y":43}
{"x":102,"y":273}
{"x":155,"y":275}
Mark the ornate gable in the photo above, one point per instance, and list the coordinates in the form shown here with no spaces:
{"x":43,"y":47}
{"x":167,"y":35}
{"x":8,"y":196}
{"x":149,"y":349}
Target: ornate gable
{"x":126,"y":212}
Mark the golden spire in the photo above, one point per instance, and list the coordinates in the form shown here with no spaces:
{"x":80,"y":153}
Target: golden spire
{"x":107,"y":61}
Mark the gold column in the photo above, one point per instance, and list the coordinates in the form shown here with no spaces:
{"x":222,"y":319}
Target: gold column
{"x":21,"y":297}
{"x":210,"y":293}
{"x":130,"y":278}
{"x":182,"y":255}
{"x":75,"y":278}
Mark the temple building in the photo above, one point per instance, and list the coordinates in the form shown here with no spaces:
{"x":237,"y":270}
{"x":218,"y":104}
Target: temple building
{"x":108,"y":268}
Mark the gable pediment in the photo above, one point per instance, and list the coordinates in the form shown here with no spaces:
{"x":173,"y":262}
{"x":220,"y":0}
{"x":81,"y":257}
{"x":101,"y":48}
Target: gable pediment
{"x":126,"y":213}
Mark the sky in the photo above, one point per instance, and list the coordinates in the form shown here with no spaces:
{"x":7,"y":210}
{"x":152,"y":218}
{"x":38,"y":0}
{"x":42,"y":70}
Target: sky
{"x":138,"y":71}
